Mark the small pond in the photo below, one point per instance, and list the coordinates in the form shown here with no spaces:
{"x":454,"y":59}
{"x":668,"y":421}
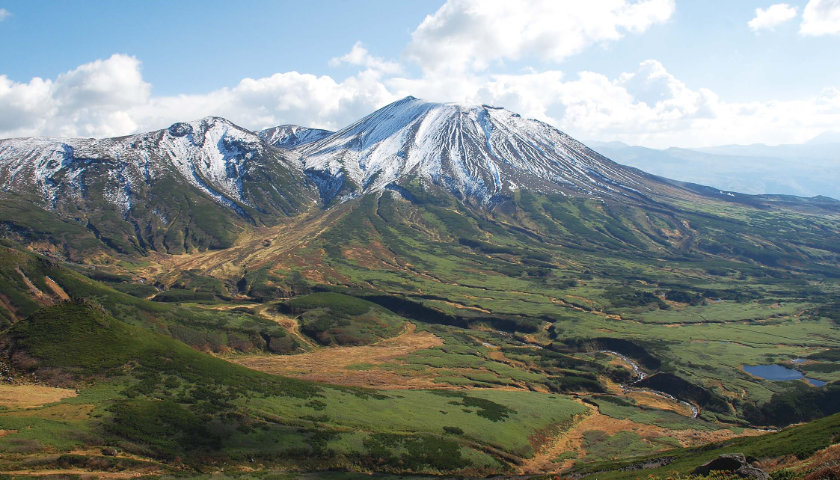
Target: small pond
{"x":779,"y":373}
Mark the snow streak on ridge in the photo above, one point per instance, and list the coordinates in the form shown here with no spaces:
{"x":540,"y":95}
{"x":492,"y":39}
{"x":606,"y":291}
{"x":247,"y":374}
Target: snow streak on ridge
{"x":476,"y":152}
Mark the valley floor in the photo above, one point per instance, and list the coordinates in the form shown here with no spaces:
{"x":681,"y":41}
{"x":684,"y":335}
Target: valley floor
{"x":394,"y":336}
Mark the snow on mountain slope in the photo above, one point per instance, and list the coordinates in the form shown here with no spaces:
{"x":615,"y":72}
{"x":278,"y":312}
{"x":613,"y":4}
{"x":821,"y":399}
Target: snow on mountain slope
{"x":474,"y":151}
{"x":291,"y":136}
{"x":211,"y":154}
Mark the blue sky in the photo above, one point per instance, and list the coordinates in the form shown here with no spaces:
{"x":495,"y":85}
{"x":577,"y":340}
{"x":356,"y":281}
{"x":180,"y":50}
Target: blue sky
{"x":198,"y":46}
{"x":651,"y":72}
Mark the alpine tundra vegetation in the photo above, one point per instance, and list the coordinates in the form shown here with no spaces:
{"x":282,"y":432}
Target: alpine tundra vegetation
{"x":322,"y":275}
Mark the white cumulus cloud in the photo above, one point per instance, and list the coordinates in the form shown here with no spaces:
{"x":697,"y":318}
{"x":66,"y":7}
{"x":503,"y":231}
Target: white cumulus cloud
{"x":360,"y":56}
{"x":473,"y":34}
{"x":289,"y":97}
{"x":4,"y":14}
{"x":22,"y":105}
{"x":455,"y":47}
{"x":109,"y":98}
{"x":648,"y":106}
{"x":821,"y":17}
{"x":772,"y":16}
{"x":89,"y":100}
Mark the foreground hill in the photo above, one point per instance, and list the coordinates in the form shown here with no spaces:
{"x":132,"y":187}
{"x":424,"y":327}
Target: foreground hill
{"x":165,"y":402}
{"x":434,"y":289}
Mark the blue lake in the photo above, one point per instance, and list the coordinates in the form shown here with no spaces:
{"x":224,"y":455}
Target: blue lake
{"x":779,"y":373}
{"x":773,"y":372}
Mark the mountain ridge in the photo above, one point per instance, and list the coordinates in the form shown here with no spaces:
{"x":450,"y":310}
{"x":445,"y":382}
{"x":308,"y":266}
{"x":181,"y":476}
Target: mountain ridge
{"x":199,"y":184}
{"x":806,"y":170}
{"x":290,"y":136}
{"x":473,"y":151}
{"x":183,"y":141}
{"x":165,"y":189}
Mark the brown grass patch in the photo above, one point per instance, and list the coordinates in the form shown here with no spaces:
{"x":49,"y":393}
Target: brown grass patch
{"x":826,"y":458}
{"x":466,"y":307}
{"x":644,"y":398}
{"x":672,"y":234}
{"x":373,"y":255}
{"x":572,"y":440}
{"x":330,"y":365}
{"x":5,"y":303}
{"x":289,"y":323}
{"x":31,"y":396}
{"x":253,"y":249}
{"x":648,"y":399}
{"x":40,"y":296}
{"x":56,"y":289}
{"x":62,"y":412}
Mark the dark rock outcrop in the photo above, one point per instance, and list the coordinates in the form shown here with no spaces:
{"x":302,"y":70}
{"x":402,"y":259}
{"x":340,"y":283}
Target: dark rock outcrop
{"x":734,"y":463}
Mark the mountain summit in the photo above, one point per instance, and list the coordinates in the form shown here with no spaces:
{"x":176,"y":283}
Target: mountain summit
{"x":193,"y":184}
{"x":476,"y":152}
{"x":291,"y":136}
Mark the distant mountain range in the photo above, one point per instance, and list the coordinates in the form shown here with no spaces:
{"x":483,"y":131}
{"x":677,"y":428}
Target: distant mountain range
{"x":808,"y":169}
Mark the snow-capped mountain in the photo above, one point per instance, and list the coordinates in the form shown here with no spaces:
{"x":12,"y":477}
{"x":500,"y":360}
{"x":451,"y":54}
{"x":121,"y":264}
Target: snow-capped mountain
{"x":477,"y":152}
{"x":199,"y":184}
{"x":192,"y":185}
{"x":291,"y":136}
{"x":212,"y":155}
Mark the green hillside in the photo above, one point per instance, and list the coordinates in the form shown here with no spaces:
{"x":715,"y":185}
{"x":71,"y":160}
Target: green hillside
{"x":411,"y":332}
{"x":800,"y":442}
{"x":156,"y":397}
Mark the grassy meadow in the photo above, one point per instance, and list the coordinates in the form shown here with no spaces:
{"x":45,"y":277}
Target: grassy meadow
{"x":443,"y":339}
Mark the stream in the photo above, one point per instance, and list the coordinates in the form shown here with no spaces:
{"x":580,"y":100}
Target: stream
{"x":637,"y":370}
{"x":640,"y":375}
